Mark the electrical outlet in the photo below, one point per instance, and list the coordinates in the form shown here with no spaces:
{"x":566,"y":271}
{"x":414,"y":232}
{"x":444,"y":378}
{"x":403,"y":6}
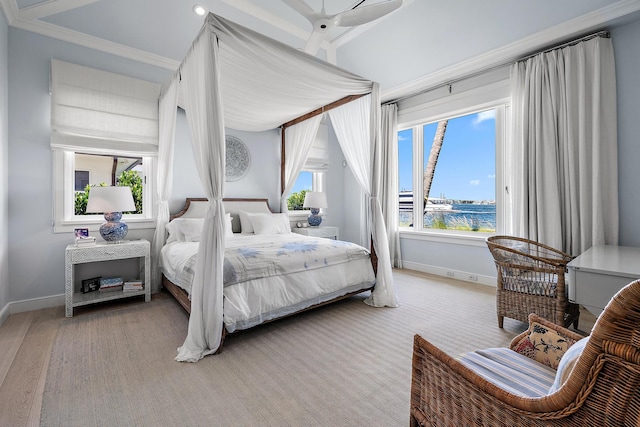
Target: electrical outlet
{"x":450,"y":273}
{"x":472,"y":277}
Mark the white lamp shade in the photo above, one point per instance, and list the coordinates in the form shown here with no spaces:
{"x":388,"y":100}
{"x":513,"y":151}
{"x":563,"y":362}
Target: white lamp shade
{"x":110,"y":199}
{"x":315,"y":199}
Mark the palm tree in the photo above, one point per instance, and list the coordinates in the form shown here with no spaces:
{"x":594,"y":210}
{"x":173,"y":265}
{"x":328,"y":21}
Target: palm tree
{"x":433,"y":158}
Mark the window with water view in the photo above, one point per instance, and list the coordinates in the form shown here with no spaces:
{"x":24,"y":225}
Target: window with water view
{"x":452,"y":185}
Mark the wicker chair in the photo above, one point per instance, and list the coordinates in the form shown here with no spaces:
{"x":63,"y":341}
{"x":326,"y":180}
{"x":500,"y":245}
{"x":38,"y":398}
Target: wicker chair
{"x":531,"y":279}
{"x":601,"y":389}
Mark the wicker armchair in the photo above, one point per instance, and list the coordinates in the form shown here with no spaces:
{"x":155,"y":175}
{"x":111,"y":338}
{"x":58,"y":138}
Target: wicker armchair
{"x":601,"y":389}
{"x":531,"y":279}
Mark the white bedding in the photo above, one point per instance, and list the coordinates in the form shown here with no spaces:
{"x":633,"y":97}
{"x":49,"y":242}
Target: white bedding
{"x":252,"y":300}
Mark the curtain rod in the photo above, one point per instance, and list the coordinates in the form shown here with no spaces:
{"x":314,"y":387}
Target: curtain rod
{"x":602,"y":33}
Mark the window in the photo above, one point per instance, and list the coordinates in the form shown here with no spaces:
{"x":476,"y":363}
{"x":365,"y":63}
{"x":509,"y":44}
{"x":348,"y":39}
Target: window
{"x":312,"y":176}
{"x":448,"y":170}
{"x":104,"y":131}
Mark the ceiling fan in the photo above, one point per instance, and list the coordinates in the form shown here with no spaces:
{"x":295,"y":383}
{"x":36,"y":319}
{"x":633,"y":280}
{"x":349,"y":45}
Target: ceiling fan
{"x":323,"y":23}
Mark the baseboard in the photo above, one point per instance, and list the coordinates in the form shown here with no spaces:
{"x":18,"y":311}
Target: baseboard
{"x":453,"y":274}
{"x":4,"y":313}
{"x":30,"y":305}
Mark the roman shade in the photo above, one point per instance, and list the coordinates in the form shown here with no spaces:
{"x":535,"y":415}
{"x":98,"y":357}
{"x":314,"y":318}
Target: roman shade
{"x":96,"y":111}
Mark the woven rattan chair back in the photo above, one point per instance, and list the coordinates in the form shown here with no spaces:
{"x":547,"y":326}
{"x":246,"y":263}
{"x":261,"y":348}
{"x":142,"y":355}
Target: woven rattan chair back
{"x":531,"y":279}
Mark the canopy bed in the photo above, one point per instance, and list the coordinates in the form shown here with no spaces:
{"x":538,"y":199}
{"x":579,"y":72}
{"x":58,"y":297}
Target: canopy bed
{"x":235,"y":78}
{"x":269,"y":273}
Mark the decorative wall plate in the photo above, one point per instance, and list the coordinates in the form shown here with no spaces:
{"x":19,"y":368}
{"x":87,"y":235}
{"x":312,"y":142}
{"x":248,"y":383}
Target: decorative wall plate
{"x":237,"y":159}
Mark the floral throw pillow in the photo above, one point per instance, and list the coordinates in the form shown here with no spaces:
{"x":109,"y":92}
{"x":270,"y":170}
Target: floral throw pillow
{"x":544,"y":345}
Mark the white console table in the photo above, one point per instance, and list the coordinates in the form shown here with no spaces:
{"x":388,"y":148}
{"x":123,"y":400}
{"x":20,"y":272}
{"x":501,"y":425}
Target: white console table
{"x":104,"y":252}
{"x":599,"y":273}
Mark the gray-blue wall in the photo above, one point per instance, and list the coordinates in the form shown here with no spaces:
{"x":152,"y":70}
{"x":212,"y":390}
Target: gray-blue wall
{"x":4,"y":176}
{"x":36,"y":255}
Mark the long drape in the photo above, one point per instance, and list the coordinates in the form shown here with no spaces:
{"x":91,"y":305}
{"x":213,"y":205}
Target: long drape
{"x":565,"y":146}
{"x":203,"y":101}
{"x":299,"y":139}
{"x":359,"y":136}
{"x":167,"y":120}
{"x":389,"y":177}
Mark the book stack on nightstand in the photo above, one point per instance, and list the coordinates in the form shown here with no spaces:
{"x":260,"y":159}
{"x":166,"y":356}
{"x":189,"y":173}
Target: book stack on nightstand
{"x":109,"y":284}
{"x":133,"y":286}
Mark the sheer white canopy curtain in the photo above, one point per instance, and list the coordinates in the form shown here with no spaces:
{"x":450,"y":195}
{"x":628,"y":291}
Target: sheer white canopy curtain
{"x":565,"y":181}
{"x":299,"y":139}
{"x":265,"y":84}
{"x":359,"y":137}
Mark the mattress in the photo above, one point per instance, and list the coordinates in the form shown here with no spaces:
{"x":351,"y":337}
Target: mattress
{"x":284,"y":273}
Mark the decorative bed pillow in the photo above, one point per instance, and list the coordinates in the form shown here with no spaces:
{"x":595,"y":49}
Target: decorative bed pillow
{"x":190,"y":229}
{"x":271,"y":223}
{"x":567,"y":363}
{"x":228,"y":226}
{"x":245,"y":222}
{"x":185,"y":229}
{"x":544,"y":345}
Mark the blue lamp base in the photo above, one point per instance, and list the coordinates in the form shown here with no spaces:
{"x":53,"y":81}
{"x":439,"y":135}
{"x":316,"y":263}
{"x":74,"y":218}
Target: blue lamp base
{"x":314,"y":219}
{"x":113,"y":230}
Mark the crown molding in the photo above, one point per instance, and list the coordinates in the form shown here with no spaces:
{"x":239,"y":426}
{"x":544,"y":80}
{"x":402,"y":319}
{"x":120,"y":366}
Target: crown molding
{"x":81,"y":39}
{"x":51,"y":7}
{"x":513,"y":51}
{"x":10,"y":10}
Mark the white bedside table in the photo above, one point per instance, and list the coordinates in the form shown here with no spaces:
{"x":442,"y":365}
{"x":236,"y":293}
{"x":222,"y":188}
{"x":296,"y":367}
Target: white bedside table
{"x":321,"y":231}
{"x":104,"y":252}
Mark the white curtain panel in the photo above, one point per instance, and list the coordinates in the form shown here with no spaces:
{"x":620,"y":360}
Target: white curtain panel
{"x":168,"y":106}
{"x":203,"y":101}
{"x":358,"y":135}
{"x":389,"y":187}
{"x":565,"y":137}
{"x":299,"y":139}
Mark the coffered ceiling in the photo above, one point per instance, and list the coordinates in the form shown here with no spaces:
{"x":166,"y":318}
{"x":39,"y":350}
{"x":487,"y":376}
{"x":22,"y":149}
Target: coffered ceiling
{"x":159,"y":32}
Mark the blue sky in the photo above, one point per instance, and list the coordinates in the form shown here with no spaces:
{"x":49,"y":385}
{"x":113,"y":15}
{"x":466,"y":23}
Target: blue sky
{"x":467,"y":163}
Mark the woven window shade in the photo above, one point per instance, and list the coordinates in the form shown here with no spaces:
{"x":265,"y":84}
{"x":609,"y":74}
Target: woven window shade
{"x":97,"y":111}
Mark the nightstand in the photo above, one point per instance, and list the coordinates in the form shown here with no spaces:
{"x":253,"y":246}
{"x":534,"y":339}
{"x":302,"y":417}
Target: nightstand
{"x":321,"y":231}
{"x":99,"y":252}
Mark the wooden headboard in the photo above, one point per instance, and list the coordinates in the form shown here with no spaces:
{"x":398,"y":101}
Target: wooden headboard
{"x":195,"y":207}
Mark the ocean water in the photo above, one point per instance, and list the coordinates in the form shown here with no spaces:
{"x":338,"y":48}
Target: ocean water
{"x":481,"y":216}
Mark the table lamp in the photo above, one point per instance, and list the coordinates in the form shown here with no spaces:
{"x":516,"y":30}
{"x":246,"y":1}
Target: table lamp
{"x":111,"y":201}
{"x":315,"y":200}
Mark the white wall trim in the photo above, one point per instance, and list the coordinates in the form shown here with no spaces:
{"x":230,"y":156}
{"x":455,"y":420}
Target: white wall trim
{"x":81,"y":39}
{"x":30,"y":305}
{"x":48,"y":8}
{"x":4,"y":313}
{"x":513,"y":51}
{"x":464,"y":276}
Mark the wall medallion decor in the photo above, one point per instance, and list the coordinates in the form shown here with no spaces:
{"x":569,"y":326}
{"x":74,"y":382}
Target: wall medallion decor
{"x":237,"y":159}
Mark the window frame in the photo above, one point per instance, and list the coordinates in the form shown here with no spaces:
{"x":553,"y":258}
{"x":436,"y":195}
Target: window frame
{"x":64,"y":218}
{"x":490,"y":96}
{"x":318,"y":183}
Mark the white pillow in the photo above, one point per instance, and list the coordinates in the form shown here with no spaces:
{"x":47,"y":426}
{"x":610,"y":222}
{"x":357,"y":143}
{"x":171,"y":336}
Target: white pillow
{"x":245,"y":222}
{"x":228,"y":227}
{"x":271,"y":223}
{"x":569,"y":359}
{"x":190,"y":229}
{"x":185,"y":229}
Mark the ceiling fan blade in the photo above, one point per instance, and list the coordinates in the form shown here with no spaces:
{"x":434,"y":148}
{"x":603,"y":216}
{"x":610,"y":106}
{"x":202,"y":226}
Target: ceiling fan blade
{"x":313,"y":44}
{"x":364,"y":14}
{"x":302,"y":8}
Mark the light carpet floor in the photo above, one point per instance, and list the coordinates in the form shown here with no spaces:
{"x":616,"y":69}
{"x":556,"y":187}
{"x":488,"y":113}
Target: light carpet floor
{"x":345,"y":364}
